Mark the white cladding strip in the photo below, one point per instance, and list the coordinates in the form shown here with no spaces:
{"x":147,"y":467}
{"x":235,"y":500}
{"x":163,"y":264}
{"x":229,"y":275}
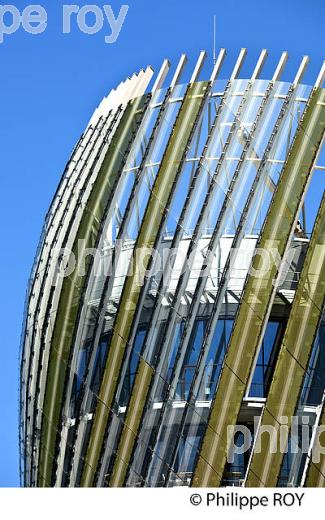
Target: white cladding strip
{"x":179,"y":71}
{"x":239,"y":64}
{"x":280,"y":67}
{"x":127,"y":90}
{"x":301,"y":70}
{"x":138,"y":87}
{"x":218,"y":65}
{"x":198,"y":66}
{"x":259,"y":65}
{"x":161,"y":76}
{"x":321,"y":77}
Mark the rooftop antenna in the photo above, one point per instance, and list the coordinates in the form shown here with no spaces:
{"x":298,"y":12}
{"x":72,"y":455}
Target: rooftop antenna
{"x":214,"y":39}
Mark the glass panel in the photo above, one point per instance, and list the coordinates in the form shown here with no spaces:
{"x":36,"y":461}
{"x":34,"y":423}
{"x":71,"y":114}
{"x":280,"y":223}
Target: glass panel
{"x":264,"y":369}
{"x":314,"y":381}
{"x":316,"y":471}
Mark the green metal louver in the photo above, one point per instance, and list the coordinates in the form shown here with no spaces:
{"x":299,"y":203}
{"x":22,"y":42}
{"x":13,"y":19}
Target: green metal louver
{"x":316,"y":470}
{"x":293,"y":358}
{"x":155,"y":211}
{"x":258,"y":294}
{"x":74,"y":284}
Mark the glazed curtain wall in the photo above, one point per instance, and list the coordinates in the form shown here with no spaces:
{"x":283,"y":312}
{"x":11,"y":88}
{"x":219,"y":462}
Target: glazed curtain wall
{"x":198,"y":166}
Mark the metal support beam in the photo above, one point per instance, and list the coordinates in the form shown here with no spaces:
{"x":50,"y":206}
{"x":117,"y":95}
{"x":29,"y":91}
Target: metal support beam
{"x":238,"y":64}
{"x":259,"y":64}
{"x":179,"y":71}
{"x":161,"y":76}
{"x":321,"y":77}
{"x":301,"y":70}
{"x":218,"y":65}
{"x":280,"y":67}
{"x":198,"y":66}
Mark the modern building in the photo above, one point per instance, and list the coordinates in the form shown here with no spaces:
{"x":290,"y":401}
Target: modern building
{"x":175,"y":308}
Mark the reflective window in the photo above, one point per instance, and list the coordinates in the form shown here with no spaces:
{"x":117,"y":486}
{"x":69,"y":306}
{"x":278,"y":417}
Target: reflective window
{"x":235,"y":471}
{"x":314,"y":383}
{"x":132,"y":367}
{"x":267,"y":359}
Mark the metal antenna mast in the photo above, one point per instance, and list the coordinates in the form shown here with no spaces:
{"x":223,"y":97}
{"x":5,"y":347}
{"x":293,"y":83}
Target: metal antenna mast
{"x":214,"y":40}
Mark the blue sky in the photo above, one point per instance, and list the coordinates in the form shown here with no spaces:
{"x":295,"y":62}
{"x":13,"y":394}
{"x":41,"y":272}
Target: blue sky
{"x":50,"y":85}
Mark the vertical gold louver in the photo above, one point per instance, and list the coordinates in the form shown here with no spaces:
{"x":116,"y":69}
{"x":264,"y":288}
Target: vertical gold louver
{"x":161,"y":192}
{"x":258,"y":293}
{"x":316,"y":470}
{"x":72,"y":288}
{"x":293,"y":360}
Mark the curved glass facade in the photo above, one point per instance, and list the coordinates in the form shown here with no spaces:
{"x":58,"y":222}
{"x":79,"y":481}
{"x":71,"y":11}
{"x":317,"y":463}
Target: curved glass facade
{"x":171,"y":280}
